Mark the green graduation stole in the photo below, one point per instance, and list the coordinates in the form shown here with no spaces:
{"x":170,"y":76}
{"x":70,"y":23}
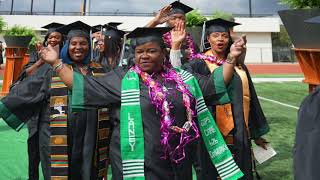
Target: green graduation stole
{"x":131,"y":131}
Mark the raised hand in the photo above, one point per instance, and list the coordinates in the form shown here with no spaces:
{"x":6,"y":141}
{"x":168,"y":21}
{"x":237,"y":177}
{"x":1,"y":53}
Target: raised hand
{"x":178,"y":35}
{"x":261,"y":142}
{"x":238,"y":47}
{"x":163,"y":15}
{"x":50,"y":54}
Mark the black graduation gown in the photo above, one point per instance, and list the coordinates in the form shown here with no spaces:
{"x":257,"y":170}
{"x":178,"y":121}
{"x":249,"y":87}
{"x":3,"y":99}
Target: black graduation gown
{"x":91,"y":92}
{"x":306,"y":156}
{"x":105,"y":64}
{"x":242,"y":144}
{"x":31,"y":98}
{"x":33,"y":137}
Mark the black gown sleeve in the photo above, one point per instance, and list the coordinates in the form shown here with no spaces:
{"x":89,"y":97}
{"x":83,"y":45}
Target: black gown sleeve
{"x":95,"y":92}
{"x":212,"y":84}
{"x":19,"y":105}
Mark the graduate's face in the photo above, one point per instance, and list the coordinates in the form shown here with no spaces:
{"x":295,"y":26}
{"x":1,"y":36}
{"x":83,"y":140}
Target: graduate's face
{"x":100,"y":45}
{"x":175,"y":19}
{"x":149,"y":57}
{"x":54,"y":39}
{"x":78,"y":49}
{"x":219,"y":41}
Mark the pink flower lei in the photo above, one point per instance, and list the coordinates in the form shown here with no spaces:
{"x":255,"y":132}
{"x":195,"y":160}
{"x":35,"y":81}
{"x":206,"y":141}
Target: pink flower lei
{"x":158,"y":97}
{"x":167,"y":39}
{"x":210,"y":58}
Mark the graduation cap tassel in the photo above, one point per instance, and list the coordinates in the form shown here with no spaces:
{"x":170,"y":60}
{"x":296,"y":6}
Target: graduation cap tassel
{"x":202,"y":37}
{"x":123,"y":49}
{"x":91,"y":42}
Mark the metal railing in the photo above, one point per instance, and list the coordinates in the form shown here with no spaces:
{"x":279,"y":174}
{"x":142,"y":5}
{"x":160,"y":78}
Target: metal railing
{"x":115,"y":13}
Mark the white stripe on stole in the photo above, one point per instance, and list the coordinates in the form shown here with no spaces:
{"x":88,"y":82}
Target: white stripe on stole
{"x":230,"y":172}
{"x":130,"y":97}
{"x":227,"y":169}
{"x":132,"y":168}
{"x":130,"y":100}
{"x":129,"y":93}
{"x":130,"y":90}
{"x":220,"y":164}
{"x":133,"y":161}
{"x":133,"y":175}
{"x":130,"y":104}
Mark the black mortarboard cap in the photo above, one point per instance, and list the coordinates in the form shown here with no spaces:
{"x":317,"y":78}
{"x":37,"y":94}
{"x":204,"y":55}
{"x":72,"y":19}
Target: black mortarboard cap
{"x":114,"y":24}
{"x":314,"y":20}
{"x":219,"y":25}
{"x":99,"y":26}
{"x":78,"y":25}
{"x":179,"y":8}
{"x":52,"y":25}
{"x":113,"y":32}
{"x":141,"y":32}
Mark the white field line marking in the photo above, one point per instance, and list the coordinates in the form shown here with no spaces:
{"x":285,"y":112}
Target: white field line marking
{"x":277,"y":102}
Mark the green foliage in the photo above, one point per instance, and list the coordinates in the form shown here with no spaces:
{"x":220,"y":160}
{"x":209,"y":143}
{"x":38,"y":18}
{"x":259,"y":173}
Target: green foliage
{"x":301,"y":4}
{"x":222,"y":15}
{"x":194,"y":18}
{"x":282,"y":38}
{"x":2,"y":24}
{"x":17,"y":30}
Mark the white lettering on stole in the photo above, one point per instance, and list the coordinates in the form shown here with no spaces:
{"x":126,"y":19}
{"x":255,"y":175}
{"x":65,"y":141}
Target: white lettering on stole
{"x":209,"y":131}
{"x":131,"y":131}
{"x":205,"y":121}
{"x":213,"y":142}
{"x":218,"y":151}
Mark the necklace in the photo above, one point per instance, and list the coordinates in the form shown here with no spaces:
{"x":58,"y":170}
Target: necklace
{"x":210,"y":57}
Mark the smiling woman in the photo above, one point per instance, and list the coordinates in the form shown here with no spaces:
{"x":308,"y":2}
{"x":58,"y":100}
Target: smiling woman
{"x":68,"y":146}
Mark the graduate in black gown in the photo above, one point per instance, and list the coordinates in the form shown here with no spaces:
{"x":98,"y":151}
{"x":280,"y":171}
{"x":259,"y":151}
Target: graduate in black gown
{"x":53,"y":38}
{"x":243,"y":119}
{"x":147,"y":157}
{"x":112,"y":44}
{"x":171,"y":15}
{"x":306,"y":155}
{"x":67,"y":141}
{"x":306,"y":149}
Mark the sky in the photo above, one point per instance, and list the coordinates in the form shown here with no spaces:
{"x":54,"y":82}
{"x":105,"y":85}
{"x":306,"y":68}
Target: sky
{"x":145,"y":6}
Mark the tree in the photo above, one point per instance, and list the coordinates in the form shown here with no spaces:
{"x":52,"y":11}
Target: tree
{"x":194,"y":18}
{"x":301,"y":4}
{"x":2,"y":24}
{"x":222,"y":15}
